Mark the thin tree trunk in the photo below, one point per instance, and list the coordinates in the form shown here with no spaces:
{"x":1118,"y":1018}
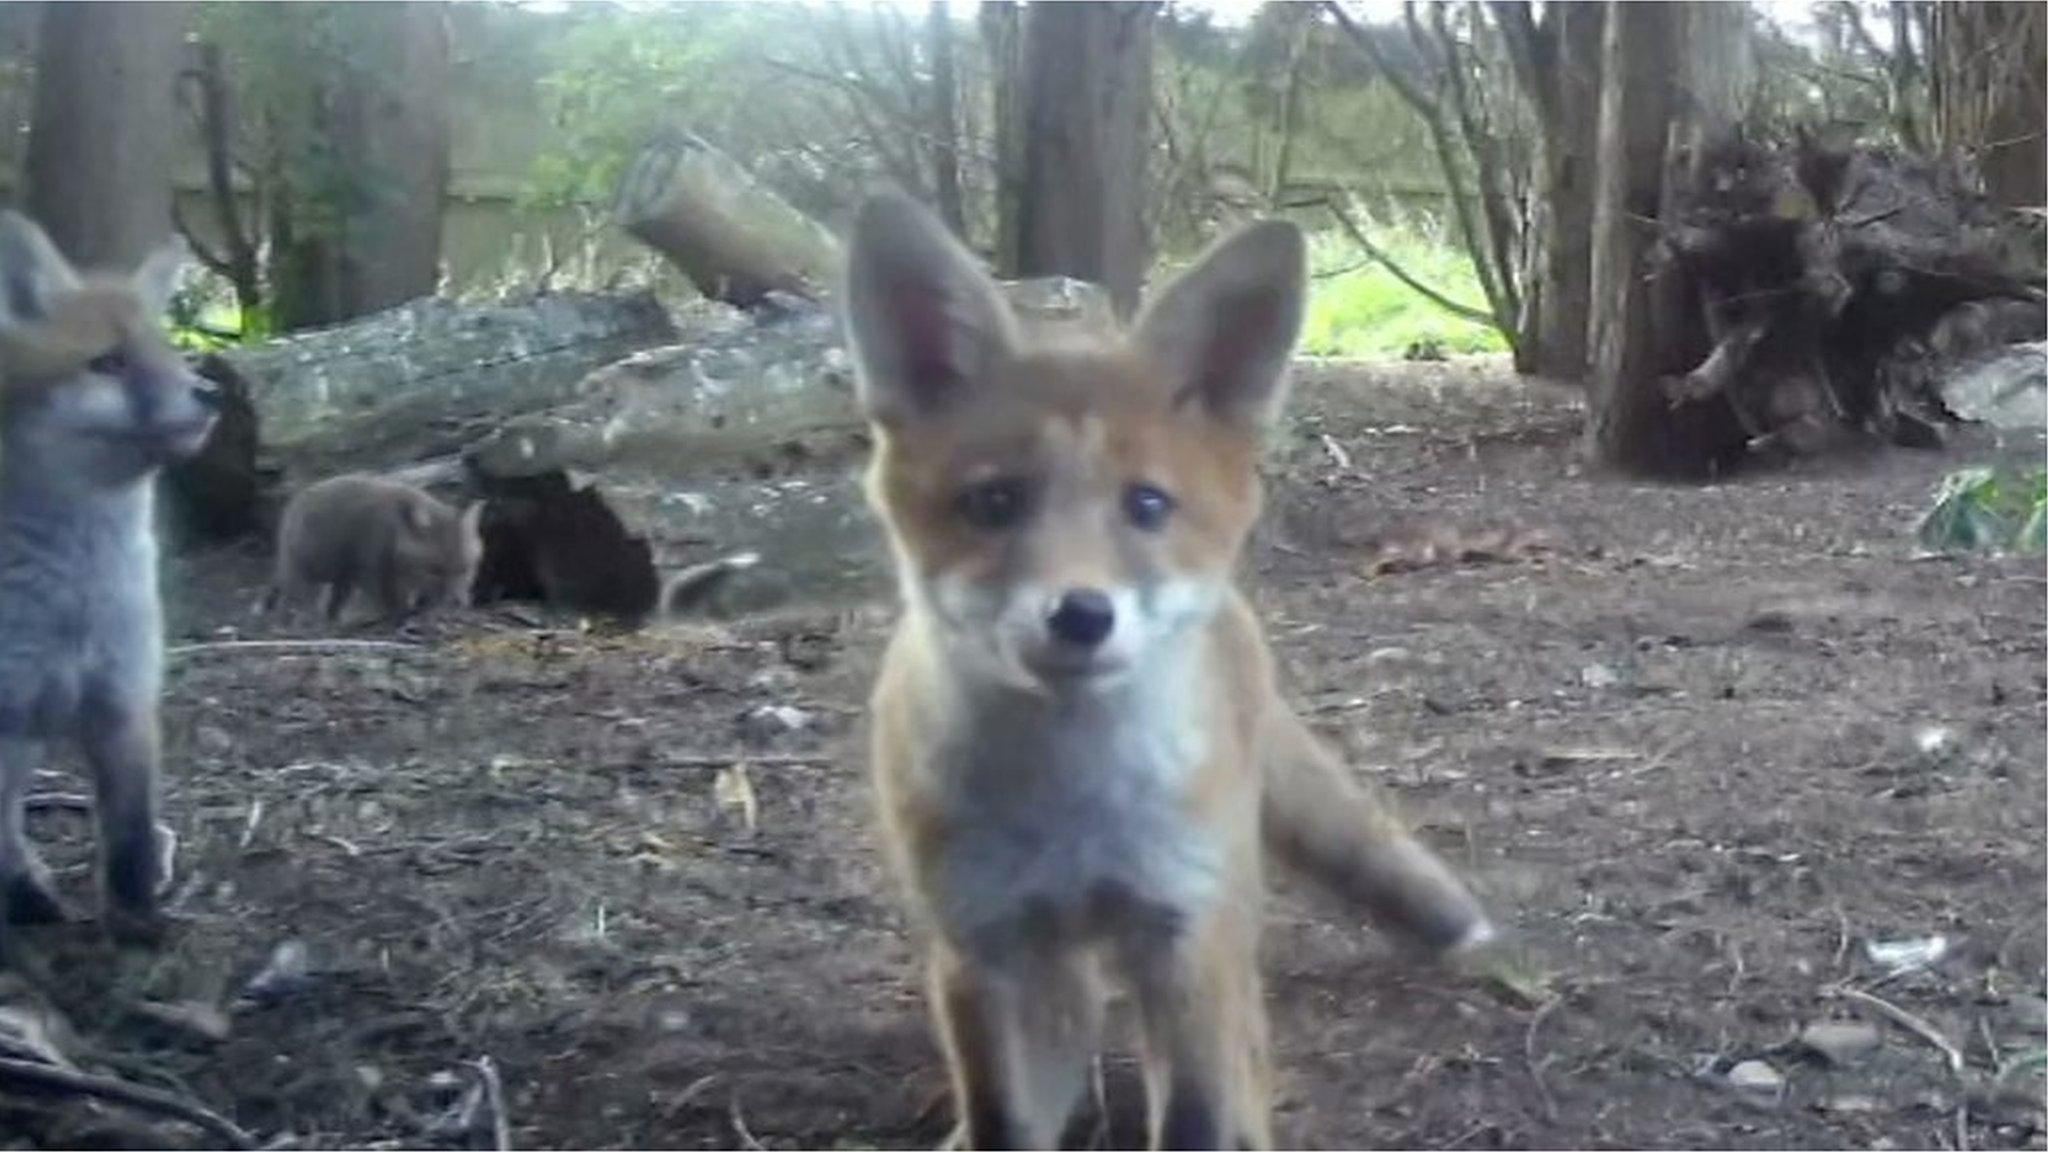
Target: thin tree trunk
{"x":98,"y":166}
{"x":1002,"y":34}
{"x":945,"y":122}
{"x":1290,"y":111}
{"x":1570,"y":139}
{"x":1087,"y":103}
{"x":236,"y":258}
{"x":1673,"y":75}
{"x":1639,"y":45}
{"x":397,"y":136}
{"x":362,"y":198}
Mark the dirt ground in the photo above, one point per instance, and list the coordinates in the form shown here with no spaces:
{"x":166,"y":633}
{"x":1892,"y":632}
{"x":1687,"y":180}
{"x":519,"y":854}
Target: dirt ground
{"x":1701,"y":752}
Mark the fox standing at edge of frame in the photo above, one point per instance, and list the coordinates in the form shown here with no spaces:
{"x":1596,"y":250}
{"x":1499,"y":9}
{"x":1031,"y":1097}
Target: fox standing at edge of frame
{"x":94,"y":401}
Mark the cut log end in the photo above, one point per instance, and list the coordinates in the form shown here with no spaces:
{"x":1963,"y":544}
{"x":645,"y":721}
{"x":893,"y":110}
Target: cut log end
{"x":734,"y":239}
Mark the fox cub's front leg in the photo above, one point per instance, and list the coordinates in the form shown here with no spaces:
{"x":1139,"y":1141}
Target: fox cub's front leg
{"x":1019,"y":1043}
{"x":122,"y":748}
{"x":1204,"y":1021}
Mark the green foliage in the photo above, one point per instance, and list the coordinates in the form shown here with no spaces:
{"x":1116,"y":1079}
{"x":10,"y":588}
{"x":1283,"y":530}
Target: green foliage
{"x":756,"y":80}
{"x":1989,"y":509}
{"x":1365,"y":311}
{"x":202,"y":321}
{"x":614,"y":75}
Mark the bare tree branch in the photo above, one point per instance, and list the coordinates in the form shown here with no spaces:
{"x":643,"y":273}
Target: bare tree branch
{"x":1495,"y":202}
{"x":204,"y":92}
{"x":1532,"y":52}
{"x":1379,"y":256}
{"x":1431,"y":110}
{"x":214,"y":261}
{"x":1403,"y":85}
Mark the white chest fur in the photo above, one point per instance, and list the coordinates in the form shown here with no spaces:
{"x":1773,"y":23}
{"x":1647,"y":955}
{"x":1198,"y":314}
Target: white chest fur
{"x":1064,"y":815}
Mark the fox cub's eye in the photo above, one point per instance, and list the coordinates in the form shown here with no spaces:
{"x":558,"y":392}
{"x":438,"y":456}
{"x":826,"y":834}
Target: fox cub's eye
{"x":994,"y":504}
{"x":114,"y":363}
{"x":1148,"y":507}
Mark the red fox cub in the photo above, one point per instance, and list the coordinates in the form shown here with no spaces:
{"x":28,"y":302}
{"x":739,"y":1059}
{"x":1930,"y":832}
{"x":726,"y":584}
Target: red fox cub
{"x":1080,"y":754}
{"x":404,"y":547}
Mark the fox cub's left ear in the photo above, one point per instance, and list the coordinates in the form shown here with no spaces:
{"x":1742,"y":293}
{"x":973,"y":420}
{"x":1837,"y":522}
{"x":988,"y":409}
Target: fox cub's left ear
{"x":1224,"y":329}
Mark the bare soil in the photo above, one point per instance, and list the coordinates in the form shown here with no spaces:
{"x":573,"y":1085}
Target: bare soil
{"x":1700,"y":751}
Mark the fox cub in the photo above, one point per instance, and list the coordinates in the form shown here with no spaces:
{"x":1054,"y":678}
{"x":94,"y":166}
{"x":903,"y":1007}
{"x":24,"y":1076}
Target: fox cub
{"x":93,"y":402}
{"x":1079,"y":751}
{"x":352,"y":532}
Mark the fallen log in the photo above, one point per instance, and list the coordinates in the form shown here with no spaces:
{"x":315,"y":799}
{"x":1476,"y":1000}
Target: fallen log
{"x":426,"y":378}
{"x":734,"y":238}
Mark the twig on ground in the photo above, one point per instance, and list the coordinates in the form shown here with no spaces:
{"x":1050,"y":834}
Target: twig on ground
{"x":1842,"y":936}
{"x":51,"y":1078}
{"x":1338,"y":455}
{"x":727,"y":760}
{"x":740,"y":1129}
{"x":315,"y":646}
{"x":1529,"y":1057}
{"x":494,"y":1099}
{"x":1910,"y":1023}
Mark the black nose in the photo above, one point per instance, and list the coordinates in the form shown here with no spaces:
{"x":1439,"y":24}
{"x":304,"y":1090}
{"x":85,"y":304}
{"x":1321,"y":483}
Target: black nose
{"x":207,"y":394}
{"x":1084,"y":617}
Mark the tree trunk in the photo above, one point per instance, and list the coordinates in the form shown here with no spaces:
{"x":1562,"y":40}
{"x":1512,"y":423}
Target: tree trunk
{"x":365,"y":231}
{"x":945,"y":120}
{"x":1671,"y":73}
{"x":398,"y":137}
{"x":98,"y":167}
{"x":1086,"y":92}
{"x":1990,"y":81}
{"x":1570,"y":140}
{"x":1002,"y":36}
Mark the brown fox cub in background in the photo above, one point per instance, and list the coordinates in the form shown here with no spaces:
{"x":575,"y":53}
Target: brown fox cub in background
{"x":1080,"y":753}
{"x":406,"y":548}
{"x":93,"y":401}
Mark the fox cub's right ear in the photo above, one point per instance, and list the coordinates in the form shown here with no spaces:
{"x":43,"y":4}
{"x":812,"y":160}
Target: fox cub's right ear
{"x":924,"y":320}
{"x":32,"y":271}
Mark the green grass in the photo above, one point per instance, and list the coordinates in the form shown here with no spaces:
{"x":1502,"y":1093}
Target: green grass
{"x":1366,"y":312}
{"x":1989,"y":509}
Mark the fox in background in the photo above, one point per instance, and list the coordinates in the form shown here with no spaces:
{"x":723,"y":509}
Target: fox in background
{"x":93,"y":403}
{"x":357,"y":532}
{"x":1079,"y":750}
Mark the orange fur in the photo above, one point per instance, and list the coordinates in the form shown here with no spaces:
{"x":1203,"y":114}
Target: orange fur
{"x":1067,"y":801}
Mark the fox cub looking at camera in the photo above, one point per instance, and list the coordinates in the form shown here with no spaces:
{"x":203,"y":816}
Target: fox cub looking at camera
{"x":1079,"y":750}
{"x":93,"y":402}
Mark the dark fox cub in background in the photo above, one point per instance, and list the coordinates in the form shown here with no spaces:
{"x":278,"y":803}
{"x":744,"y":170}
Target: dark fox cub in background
{"x":404,"y":547}
{"x":93,"y":402}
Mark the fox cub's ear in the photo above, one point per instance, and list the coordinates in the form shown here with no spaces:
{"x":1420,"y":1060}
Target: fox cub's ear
{"x":925,"y":322}
{"x":32,"y":271}
{"x":158,"y":276}
{"x":1224,"y":329}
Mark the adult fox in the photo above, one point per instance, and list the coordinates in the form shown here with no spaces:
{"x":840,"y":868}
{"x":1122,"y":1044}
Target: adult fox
{"x":1080,"y":753}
